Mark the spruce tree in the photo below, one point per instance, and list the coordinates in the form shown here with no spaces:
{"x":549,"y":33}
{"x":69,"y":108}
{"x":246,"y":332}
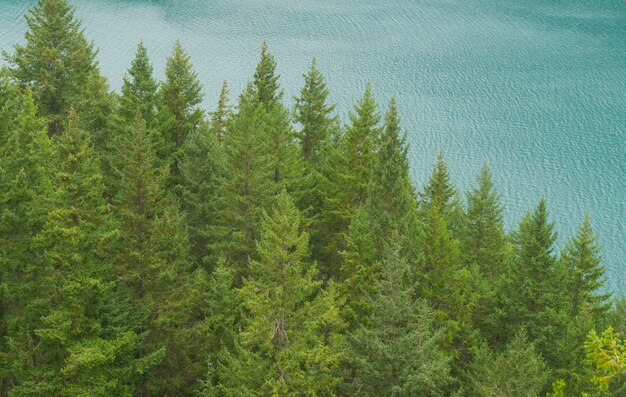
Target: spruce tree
{"x":75,"y":343}
{"x":486,"y":250}
{"x":398,"y":353}
{"x":154,"y":270}
{"x":202,"y":167}
{"x":285,"y":347}
{"x":581,"y":258}
{"x":222,"y":115}
{"x":517,"y":371}
{"x":265,"y":82}
{"x":180,"y":95}
{"x":58,"y":64}
{"x":139,"y":90}
{"x":25,"y":152}
{"x":533,"y":296}
{"x":346,"y":176}
{"x":315,"y":115}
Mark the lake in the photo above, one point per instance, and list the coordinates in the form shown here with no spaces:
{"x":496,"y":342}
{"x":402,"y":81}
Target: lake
{"x":535,"y":88}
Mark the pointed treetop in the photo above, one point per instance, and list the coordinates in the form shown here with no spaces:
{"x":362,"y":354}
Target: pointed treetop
{"x":439,"y":190}
{"x":221,"y":115}
{"x":266,"y":87}
{"x":315,"y":114}
{"x":139,"y":89}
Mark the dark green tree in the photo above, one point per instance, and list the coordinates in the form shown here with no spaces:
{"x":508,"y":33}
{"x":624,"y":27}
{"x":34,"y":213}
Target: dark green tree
{"x":399,"y":352}
{"x":139,"y":91}
{"x":75,"y":343}
{"x":286,"y":346}
{"x":222,"y":115}
{"x":517,"y":371}
{"x":315,"y":115}
{"x":581,"y":258}
{"x":180,"y":115}
{"x":25,"y":151}
{"x":58,"y":64}
{"x":347,"y":173}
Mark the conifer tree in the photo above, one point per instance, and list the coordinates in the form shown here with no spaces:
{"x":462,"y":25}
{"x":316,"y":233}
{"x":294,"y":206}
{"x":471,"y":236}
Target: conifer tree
{"x":180,"y":95}
{"x":347,"y":173}
{"x":265,"y":82}
{"x":391,"y":199}
{"x":315,"y":115}
{"x":154,"y":270}
{"x":139,"y":90}
{"x":25,"y":151}
{"x":285,"y":346}
{"x":58,"y":64}
{"x":222,"y":115}
{"x":534,"y":297}
{"x":202,"y":167}
{"x":517,"y":371}
{"x":487,"y":252}
{"x":398,"y":353}
{"x":75,"y":343}
{"x":581,"y":258}
{"x":245,"y":187}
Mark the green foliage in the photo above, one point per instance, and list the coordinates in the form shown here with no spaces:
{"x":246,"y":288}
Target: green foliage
{"x":147,"y":251}
{"x":518,"y":371}
{"x":581,"y":258}
{"x":58,"y":64}
{"x":285,"y":346}
{"x":179,"y":114}
{"x":608,"y":356}
{"x":399,"y":352}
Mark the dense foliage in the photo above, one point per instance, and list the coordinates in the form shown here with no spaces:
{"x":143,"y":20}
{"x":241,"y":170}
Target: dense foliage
{"x":148,"y":248}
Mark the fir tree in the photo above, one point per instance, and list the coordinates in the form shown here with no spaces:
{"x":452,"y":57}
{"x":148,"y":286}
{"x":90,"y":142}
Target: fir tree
{"x":398,"y":353}
{"x":265,"y":82}
{"x":58,"y":64}
{"x":75,"y":345}
{"x":25,"y":151}
{"x":518,"y":371}
{"x":245,"y":187}
{"x":285,"y":344}
{"x":347,"y":173}
{"x":222,"y":115}
{"x":581,"y":258}
{"x":180,"y":95}
{"x":315,"y":115}
{"x":154,"y":270}
{"x":139,"y":90}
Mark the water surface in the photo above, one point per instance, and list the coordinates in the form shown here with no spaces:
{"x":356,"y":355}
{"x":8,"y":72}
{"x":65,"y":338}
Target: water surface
{"x":535,"y":88}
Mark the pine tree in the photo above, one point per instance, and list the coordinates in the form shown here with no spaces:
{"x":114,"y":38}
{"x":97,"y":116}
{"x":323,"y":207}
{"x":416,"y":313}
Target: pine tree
{"x":25,"y":151}
{"x":533,"y":296}
{"x":139,"y":90}
{"x":484,"y":240}
{"x":202,"y":167}
{"x":180,"y":95}
{"x":581,"y":258}
{"x":398,"y":353}
{"x":75,"y":343}
{"x":518,"y":371}
{"x":265,"y":82}
{"x":59,"y":66}
{"x":346,"y":177}
{"x":315,"y":115}
{"x":222,"y":115}
{"x":391,"y":198}
{"x":485,"y":249}
{"x":154,"y":269}
{"x":285,"y":347}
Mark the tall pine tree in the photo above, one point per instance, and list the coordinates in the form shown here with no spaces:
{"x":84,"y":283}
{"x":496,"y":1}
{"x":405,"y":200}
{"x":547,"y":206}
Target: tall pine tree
{"x":58,"y":64}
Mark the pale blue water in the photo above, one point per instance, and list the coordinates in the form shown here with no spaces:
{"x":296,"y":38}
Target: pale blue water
{"x":537,"y":88}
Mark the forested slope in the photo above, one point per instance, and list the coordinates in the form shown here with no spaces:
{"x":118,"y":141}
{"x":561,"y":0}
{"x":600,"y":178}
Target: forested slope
{"x":148,"y":248}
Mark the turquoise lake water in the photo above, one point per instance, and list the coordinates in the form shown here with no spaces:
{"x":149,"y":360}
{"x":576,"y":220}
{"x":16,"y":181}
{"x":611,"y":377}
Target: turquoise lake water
{"x":536,"y":88}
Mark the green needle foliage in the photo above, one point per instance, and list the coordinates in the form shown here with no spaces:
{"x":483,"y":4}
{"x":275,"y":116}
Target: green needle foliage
{"x":149,"y":248}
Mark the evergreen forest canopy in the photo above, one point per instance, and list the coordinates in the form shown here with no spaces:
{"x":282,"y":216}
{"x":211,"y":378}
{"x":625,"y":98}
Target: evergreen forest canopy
{"x":148,"y":248}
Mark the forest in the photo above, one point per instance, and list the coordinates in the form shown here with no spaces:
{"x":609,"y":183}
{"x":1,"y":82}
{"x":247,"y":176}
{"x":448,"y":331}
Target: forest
{"x":150,"y":248}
